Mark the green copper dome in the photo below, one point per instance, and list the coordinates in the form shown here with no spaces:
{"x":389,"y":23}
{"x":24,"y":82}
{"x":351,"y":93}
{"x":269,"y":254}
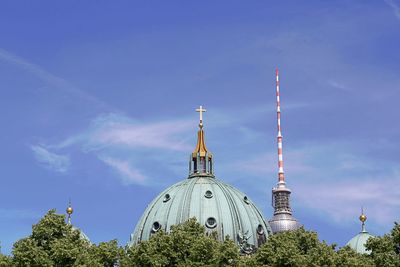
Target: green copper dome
{"x":358,"y":242}
{"x":219,"y":207}
{"x":216,"y":205}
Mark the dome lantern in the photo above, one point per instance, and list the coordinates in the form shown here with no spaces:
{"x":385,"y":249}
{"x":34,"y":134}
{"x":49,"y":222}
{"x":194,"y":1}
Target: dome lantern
{"x":201,"y":161}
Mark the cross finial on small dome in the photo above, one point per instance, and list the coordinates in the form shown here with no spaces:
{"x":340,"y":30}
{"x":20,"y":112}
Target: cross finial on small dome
{"x":201,"y":110}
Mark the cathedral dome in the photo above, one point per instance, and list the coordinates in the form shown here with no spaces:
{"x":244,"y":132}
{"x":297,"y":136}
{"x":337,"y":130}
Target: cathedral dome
{"x":358,"y":242}
{"x":218,"y":206}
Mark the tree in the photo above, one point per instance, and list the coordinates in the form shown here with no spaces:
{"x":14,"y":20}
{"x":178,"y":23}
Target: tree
{"x":347,"y":257}
{"x":294,"y":248}
{"x":185,"y":245}
{"x":56,"y":243}
{"x":5,"y":261}
{"x":385,"y":250}
{"x":107,"y":253}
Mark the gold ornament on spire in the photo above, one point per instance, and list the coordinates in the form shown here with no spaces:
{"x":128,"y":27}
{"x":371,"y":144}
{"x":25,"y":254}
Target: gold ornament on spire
{"x":69,"y":211}
{"x":362,"y":218}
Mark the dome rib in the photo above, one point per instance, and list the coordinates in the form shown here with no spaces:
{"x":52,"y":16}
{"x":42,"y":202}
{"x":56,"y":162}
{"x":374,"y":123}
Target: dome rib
{"x":232,"y":210}
{"x":253,"y":227}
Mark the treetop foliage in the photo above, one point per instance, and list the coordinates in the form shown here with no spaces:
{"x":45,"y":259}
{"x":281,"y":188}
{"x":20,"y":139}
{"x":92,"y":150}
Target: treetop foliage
{"x":53,"y":242}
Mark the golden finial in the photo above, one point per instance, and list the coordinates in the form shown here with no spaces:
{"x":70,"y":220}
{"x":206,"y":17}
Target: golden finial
{"x":362,"y":217}
{"x":69,"y":211}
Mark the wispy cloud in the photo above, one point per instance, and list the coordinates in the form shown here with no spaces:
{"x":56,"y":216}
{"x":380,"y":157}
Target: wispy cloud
{"x":55,"y":81}
{"x":128,"y":173}
{"x":121,"y":142}
{"x":342,"y":200}
{"x":50,"y":160}
{"x":339,"y":85}
{"x":395,"y":6}
{"x":115,"y":130}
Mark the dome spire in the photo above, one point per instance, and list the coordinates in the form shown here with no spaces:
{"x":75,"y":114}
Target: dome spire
{"x":201,"y":158}
{"x":69,"y":211}
{"x":201,"y":144}
{"x":363,"y":218}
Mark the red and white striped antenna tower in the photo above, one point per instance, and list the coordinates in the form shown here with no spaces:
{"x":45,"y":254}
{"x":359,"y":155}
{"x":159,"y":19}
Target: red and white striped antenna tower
{"x":282,"y":219}
{"x":281,"y":175}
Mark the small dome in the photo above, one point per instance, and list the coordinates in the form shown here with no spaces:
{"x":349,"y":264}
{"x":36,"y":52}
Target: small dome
{"x":216,"y":205}
{"x":358,"y":242}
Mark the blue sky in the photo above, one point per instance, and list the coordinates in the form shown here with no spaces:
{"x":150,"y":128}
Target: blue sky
{"x":97,"y":104}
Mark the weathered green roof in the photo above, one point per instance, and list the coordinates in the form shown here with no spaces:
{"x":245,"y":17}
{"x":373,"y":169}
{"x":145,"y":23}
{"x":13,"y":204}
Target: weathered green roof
{"x":216,"y":205}
{"x":358,"y":242}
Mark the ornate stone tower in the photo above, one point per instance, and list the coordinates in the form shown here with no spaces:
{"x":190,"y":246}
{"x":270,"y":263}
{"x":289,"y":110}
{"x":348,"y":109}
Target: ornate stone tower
{"x":283,"y":219}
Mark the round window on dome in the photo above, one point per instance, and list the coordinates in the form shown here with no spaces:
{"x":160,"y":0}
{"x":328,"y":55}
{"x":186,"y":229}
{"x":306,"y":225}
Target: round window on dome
{"x":260,"y":229}
{"x":211,"y":222}
{"x":246,"y":200}
{"x":208,"y":194}
{"x":156,"y":227}
{"x":167,"y":197}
